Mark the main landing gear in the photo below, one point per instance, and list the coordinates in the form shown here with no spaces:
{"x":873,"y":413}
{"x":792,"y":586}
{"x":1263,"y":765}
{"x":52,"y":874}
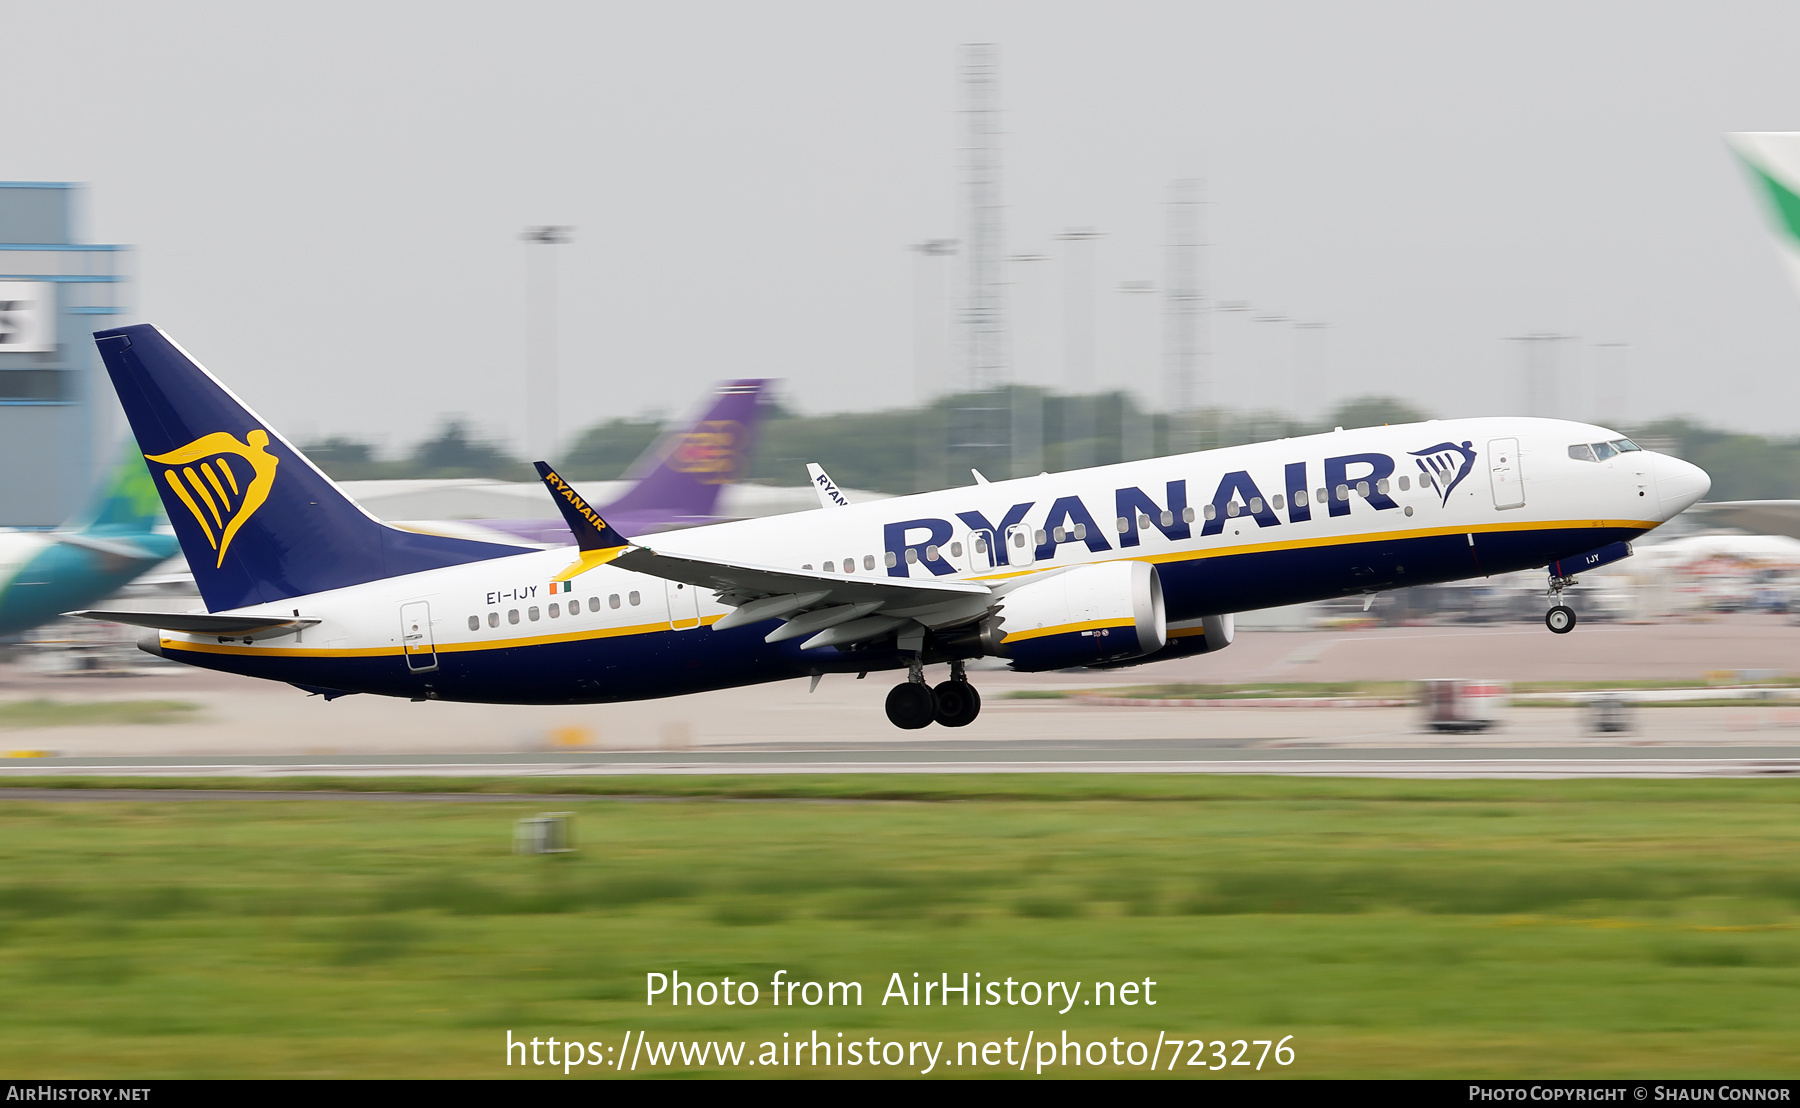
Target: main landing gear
{"x":913,"y":704}
{"x":1560,"y":618}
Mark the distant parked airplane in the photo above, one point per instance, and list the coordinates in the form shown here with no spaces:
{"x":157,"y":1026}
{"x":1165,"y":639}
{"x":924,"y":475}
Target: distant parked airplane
{"x":678,"y":479}
{"x":45,"y":573}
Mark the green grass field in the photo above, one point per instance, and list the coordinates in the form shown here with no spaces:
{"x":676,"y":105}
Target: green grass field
{"x":1393,"y":928}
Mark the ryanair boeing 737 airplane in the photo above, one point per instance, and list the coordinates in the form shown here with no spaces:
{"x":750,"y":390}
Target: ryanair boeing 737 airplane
{"x":1117,"y":565}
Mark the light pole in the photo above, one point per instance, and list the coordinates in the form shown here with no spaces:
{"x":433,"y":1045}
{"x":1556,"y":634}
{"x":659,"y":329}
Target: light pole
{"x":540,"y":338}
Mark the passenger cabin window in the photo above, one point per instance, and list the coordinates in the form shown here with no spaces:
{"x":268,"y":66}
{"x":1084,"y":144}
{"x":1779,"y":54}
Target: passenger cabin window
{"x":956,"y":549}
{"x":493,"y":619}
{"x":890,"y":560}
{"x":850,"y":565}
{"x":1276,"y":501}
{"x":613,"y":600}
{"x":1187,"y":515}
{"x":1343,"y":492}
{"x":931,"y":554}
{"x":1381,"y":486}
{"x":1300,"y":497}
{"x":868,"y":561}
{"x":593,"y":603}
{"x":635,"y":598}
{"x":1038,"y":537}
{"x":474,"y":623}
{"x":1405,"y":483}
{"x":1212,"y":512}
{"x":532,"y":613}
{"x":1057,"y":534}
{"x":512,"y":615}
{"x":1255,"y":506}
{"x":1231,"y":509}
{"x":1320,"y":497}
{"x":830,"y":567}
{"x":555,"y":611}
{"x":1362,"y":489}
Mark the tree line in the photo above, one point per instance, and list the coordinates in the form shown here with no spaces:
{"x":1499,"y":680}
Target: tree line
{"x":906,"y":450}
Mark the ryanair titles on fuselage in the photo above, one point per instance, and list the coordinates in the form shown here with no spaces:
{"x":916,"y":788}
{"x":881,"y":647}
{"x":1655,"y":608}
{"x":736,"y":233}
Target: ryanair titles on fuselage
{"x":1364,"y":476}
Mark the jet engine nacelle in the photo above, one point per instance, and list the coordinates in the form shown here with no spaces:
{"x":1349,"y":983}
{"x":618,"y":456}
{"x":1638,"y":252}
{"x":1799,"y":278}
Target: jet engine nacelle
{"x":1189,"y":637}
{"x":1087,"y":616}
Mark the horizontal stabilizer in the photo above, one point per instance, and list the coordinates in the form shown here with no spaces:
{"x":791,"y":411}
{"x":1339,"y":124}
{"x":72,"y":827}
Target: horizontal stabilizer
{"x":123,"y":548}
{"x":197,"y":623}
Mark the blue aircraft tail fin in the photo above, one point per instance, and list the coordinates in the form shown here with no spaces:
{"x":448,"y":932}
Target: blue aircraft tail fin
{"x":126,"y":504}
{"x":257,"y":520}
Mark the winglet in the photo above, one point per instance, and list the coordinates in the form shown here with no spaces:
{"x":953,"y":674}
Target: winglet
{"x":598,"y":541}
{"x":829,"y":496}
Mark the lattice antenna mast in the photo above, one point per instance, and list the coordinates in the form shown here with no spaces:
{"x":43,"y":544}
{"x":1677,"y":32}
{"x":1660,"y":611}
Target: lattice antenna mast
{"x":984,"y":258}
{"x":1187,"y":368}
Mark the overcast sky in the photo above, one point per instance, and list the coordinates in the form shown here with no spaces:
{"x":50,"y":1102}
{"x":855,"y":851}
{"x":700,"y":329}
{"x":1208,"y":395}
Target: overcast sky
{"x":325,"y":198}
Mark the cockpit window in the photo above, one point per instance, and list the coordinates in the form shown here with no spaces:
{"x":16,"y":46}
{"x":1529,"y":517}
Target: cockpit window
{"x":1600,"y":451}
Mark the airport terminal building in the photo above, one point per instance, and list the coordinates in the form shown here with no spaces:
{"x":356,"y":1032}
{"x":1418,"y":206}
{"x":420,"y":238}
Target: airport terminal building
{"x":57,"y":413}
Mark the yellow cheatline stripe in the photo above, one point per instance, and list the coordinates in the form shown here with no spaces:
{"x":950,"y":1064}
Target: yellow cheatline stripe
{"x":1067,"y":629}
{"x":441,"y":648}
{"x":199,"y":517}
{"x":1338,"y":540}
{"x":194,"y":480}
{"x":588,"y":560}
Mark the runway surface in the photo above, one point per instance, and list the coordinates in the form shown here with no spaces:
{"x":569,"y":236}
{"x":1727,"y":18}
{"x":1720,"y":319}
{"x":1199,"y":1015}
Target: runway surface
{"x":243,"y":727}
{"x":1114,"y":756}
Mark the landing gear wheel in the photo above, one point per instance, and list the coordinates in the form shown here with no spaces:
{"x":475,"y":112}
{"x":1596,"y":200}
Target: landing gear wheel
{"x":1560,"y":619}
{"x":910,"y":706}
{"x":957,"y":703}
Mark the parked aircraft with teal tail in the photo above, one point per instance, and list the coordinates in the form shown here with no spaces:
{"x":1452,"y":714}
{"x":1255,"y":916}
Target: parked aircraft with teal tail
{"x":46,"y":573}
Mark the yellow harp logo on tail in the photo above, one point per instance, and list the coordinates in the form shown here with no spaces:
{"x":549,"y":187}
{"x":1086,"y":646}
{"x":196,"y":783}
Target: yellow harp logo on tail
{"x":221,"y":481}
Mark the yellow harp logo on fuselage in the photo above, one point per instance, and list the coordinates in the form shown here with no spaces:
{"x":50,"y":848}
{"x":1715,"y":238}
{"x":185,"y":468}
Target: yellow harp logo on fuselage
{"x":221,"y":481}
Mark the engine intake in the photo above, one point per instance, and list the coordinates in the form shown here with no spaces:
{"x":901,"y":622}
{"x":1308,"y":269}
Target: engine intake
{"x":1086,"y":616}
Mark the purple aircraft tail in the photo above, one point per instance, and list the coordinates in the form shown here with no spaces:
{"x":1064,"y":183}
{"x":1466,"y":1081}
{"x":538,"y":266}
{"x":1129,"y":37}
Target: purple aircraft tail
{"x":679,"y":477}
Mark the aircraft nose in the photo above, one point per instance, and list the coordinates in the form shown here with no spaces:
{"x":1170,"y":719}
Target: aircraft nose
{"x":1679,"y":484}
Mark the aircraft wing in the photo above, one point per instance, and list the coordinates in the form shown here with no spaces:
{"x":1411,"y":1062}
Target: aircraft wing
{"x":202,"y":623}
{"x":836,"y":609}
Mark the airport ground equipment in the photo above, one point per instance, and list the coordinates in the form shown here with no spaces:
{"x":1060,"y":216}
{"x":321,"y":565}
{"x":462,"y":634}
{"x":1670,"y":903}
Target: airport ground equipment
{"x":1456,"y":704}
{"x":1104,"y":567}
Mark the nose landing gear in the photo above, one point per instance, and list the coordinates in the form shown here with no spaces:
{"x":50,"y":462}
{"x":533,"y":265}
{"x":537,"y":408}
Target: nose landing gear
{"x":1560,"y":618}
{"x":913,"y":704}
